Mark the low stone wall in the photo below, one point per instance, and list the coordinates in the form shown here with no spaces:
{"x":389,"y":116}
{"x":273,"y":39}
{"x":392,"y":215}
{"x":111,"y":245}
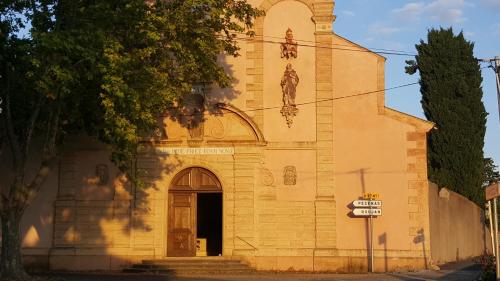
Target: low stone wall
{"x":457,"y":227}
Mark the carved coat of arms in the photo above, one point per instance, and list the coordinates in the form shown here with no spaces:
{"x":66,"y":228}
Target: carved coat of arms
{"x":290,"y":175}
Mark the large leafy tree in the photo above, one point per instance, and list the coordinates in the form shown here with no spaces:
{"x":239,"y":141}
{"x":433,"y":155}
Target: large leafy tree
{"x":107,"y":68}
{"x":450,"y":81}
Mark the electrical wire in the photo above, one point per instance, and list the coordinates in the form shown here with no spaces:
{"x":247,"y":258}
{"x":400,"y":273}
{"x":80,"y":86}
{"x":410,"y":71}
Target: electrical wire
{"x":341,"y":97}
{"x":335,"y":44}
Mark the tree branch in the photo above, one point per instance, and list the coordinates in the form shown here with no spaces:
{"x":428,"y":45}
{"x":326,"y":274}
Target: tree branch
{"x":31,"y":126}
{"x":48,"y":156}
{"x":11,"y":134}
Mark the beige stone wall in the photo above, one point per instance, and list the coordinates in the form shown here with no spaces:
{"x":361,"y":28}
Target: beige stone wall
{"x":457,"y":227}
{"x":379,"y":150}
{"x":343,"y":142}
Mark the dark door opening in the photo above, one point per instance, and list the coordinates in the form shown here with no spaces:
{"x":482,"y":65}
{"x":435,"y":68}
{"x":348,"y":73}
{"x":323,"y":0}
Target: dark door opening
{"x":209,"y":221}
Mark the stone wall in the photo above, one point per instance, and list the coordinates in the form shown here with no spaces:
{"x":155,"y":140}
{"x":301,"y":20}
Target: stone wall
{"x":456,"y":226}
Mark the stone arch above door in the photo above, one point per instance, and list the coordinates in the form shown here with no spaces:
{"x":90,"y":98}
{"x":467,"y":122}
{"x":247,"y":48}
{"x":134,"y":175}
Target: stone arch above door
{"x":195,"y":179}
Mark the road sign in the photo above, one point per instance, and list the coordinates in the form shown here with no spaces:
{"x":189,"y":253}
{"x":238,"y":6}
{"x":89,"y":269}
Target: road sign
{"x":371,"y":196}
{"x":367,"y":203}
{"x":493,"y":191}
{"x":367,"y":212}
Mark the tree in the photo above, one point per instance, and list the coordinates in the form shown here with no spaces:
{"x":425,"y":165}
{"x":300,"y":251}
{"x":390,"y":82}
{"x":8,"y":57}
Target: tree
{"x":450,"y":83}
{"x":490,"y":172}
{"x":107,"y":68}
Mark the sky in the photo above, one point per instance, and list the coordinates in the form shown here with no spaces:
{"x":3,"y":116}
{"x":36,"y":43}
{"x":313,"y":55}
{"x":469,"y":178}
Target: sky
{"x":400,"y":25}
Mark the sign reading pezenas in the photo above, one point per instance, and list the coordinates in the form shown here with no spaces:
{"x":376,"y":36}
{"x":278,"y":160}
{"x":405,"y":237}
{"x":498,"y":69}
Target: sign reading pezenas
{"x":367,"y":203}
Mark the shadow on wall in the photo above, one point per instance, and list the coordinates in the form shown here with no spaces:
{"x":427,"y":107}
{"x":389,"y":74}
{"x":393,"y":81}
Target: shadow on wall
{"x":350,"y":206}
{"x":87,"y":208}
{"x":382,"y":240}
{"x":420,"y":239}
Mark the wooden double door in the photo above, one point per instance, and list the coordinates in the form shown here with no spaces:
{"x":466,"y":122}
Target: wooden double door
{"x":183,"y":209}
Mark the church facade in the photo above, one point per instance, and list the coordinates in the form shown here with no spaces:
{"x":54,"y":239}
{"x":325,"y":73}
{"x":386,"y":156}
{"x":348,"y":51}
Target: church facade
{"x":265,"y":171}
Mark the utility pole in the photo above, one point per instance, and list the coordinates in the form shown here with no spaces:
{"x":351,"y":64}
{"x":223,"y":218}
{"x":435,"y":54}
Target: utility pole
{"x":495,"y":65}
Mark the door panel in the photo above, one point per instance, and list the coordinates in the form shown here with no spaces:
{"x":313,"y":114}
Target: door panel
{"x":182,"y":225}
{"x":182,"y":213}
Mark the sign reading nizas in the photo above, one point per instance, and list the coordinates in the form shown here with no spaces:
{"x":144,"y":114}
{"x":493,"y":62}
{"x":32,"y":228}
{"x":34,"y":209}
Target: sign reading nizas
{"x":367,"y":212}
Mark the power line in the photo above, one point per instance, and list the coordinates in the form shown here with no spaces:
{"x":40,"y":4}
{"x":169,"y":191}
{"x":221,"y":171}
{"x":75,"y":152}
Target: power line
{"x":335,"y":44}
{"x":326,"y":46}
{"x":342,"y":97}
{"x":337,"y":98}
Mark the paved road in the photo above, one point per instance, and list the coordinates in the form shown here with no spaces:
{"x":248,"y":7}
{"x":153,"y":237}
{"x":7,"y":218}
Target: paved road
{"x":453,"y":274}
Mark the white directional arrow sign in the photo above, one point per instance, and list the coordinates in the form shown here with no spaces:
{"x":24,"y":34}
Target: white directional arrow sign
{"x":367,"y":203}
{"x":367,"y":212}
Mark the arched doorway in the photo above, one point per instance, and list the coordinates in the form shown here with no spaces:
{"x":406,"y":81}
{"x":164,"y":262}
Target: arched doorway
{"x":194,"y":212}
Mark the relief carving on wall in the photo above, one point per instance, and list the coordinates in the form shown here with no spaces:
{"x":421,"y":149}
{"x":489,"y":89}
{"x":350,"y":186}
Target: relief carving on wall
{"x":290,"y":175}
{"x":289,"y":48}
{"x":267,"y":177}
{"x":217,"y":129}
{"x":102,"y":174}
{"x":289,"y":84}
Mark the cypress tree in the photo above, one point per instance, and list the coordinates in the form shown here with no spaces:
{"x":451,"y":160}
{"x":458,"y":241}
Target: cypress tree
{"x":450,"y":83}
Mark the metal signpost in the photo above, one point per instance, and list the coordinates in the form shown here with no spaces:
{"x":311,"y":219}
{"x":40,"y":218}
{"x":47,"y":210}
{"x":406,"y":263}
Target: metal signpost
{"x":493,"y":192}
{"x":368,"y":207}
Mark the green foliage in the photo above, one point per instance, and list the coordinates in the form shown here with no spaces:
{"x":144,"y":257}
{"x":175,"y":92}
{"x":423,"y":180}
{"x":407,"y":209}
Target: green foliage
{"x":450,"y":81}
{"x":106,"y":68}
{"x":112,"y":66}
{"x":490,"y":172}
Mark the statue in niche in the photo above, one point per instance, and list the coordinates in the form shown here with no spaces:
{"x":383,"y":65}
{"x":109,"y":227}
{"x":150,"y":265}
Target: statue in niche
{"x":102,"y":174}
{"x":289,"y":48}
{"x":290,"y":175}
{"x":289,"y":84}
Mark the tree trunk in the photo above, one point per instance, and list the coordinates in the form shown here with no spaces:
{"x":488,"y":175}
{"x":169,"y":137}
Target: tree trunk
{"x":11,"y":263}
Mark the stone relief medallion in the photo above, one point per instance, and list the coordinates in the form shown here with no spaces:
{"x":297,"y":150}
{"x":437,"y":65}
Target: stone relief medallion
{"x":290,"y":175}
{"x":289,"y":83}
{"x":217,"y":129}
{"x":289,"y":47}
{"x":267,"y":178}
